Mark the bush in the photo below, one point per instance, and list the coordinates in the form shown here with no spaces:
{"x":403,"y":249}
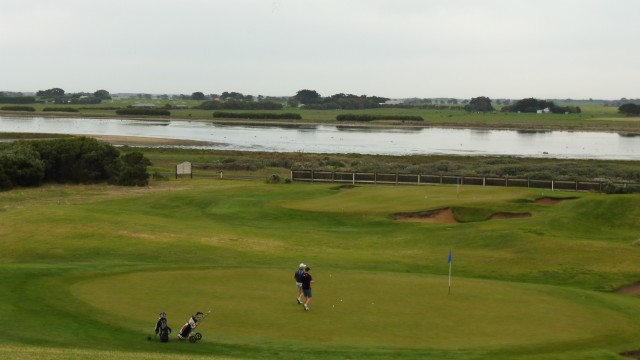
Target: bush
{"x":21,"y":165}
{"x":130,"y":170}
{"x":61,"y":109}
{"x":76,"y":160}
{"x":234,"y":104}
{"x":273,"y":179}
{"x":611,"y":188}
{"x":230,"y":115}
{"x":368,"y":117}
{"x":149,"y":112}
{"x":17,"y":100}
{"x":18,"y":108}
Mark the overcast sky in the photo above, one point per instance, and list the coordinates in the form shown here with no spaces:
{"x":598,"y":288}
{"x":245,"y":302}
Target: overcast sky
{"x":575,"y":49}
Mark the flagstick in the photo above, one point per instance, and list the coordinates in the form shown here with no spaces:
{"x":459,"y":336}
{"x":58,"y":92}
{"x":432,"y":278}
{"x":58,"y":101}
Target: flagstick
{"x":450,"y":260}
{"x":449,"y":277}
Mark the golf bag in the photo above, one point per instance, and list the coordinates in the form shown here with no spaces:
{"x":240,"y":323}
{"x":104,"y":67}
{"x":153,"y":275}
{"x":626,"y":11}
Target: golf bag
{"x":185,"y":331}
{"x":162,"y":330}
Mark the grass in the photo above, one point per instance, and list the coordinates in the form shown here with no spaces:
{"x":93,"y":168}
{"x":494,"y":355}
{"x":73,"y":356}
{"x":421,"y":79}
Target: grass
{"x":85,"y":270}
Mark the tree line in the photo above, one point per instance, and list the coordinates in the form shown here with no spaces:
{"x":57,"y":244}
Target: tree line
{"x":69,"y":160}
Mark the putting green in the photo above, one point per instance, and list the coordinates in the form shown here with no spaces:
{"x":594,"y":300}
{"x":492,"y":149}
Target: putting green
{"x":358,"y":309}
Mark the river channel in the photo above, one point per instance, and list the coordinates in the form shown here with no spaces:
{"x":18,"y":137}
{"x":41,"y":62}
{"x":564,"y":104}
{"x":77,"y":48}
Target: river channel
{"x":344,"y":139}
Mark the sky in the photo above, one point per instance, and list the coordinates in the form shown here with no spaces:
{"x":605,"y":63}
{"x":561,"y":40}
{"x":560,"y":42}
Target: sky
{"x":547,"y":49}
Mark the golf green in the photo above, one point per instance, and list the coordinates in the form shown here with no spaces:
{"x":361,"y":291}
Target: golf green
{"x":357,"y":309}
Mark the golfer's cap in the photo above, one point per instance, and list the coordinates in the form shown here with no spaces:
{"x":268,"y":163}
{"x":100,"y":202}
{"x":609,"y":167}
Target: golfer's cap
{"x":302,"y":265}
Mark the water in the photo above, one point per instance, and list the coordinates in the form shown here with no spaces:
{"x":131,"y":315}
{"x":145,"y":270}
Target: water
{"x":339,"y":139}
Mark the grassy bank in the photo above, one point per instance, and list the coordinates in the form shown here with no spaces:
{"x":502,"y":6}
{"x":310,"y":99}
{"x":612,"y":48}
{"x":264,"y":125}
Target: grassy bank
{"x":86,"y":270}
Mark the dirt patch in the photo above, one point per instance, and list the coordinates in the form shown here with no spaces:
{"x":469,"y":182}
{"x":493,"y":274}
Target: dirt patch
{"x":552,"y":200}
{"x":508,"y":215}
{"x":439,"y":216}
{"x":630,"y":290}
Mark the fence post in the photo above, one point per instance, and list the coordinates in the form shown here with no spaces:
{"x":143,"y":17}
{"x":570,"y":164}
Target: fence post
{"x":354,"y":179}
{"x":312,"y":175}
{"x":375,"y":178}
{"x":419,"y":179}
{"x":484,"y":180}
{"x":552,"y":185}
{"x":396,"y":178}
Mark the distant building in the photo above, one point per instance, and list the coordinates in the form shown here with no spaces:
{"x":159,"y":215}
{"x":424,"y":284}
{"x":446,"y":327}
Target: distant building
{"x":544,"y":111}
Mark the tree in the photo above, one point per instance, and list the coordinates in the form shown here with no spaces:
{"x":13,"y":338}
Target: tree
{"x":197,"y":96}
{"x":307,"y":97}
{"x":130,"y":170}
{"x":102,"y":95}
{"x":51,"y":93}
{"x":629,"y":109}
{"x":481,"y":103}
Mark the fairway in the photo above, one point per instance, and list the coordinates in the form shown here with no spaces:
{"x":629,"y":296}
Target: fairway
{"x":86,"y":269}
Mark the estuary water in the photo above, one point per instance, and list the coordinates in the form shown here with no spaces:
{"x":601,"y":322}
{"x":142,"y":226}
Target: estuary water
{"x":344,"y":139}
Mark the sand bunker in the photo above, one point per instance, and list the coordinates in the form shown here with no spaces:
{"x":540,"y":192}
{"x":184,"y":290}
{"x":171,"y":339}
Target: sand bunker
{"x":630,"y":290}
{"x":446,"y":216}
{"x":440,"y":216}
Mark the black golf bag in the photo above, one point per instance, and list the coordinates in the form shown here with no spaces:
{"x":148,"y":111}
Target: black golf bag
{"x":162,"y":329}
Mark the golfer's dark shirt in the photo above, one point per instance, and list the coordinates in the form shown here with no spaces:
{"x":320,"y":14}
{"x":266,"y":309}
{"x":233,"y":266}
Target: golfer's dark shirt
{"x":306,"y":281}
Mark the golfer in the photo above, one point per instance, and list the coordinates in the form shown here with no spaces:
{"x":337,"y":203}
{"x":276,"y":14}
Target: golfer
{"x":306,"y":287}
{"x":298,"y":277}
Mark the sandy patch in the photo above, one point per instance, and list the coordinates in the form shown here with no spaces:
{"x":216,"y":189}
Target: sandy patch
{"x":630,"y":290}
{"x":440,"y":216}
{"x":148,"y":141}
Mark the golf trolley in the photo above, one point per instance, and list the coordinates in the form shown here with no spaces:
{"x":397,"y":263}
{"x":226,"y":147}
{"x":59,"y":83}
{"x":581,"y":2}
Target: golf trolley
{"x":187,"y":329}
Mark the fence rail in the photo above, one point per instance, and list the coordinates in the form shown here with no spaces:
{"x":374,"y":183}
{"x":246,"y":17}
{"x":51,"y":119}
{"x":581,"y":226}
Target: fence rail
{"x":416,"y":179}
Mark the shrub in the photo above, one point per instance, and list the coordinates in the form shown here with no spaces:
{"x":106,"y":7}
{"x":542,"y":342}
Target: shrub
{"x":230,"y":115}
{"x":21,"y":165}
{"x":61,"y":109}
{"x":18,"y":108}
{"x":17,"y":100}
{"x":76,"y":160}
{"x":368,"y":117}
{"x":149,"y":112}
{"x":611,"y":188}
{"x":273,"y":179}
{"x":130,"y":170}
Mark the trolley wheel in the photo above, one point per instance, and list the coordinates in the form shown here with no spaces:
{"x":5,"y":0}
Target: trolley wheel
{"x":198,"y":336}
{"x":193,"y":338}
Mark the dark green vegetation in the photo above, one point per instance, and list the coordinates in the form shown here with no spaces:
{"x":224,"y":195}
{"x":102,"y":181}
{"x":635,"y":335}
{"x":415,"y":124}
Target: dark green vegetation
{"x":370,"y":117}
{"x":532,"y":105}
{"x":144,"y":112}
{"x":69,"y":160}
{"x":18,"y":108}
{"x":86,"y":269}
{"x":231,"y":115}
